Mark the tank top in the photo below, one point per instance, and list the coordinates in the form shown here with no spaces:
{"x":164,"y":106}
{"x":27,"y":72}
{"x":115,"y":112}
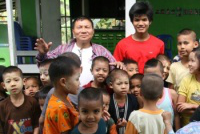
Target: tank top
{"x":165,"y":103}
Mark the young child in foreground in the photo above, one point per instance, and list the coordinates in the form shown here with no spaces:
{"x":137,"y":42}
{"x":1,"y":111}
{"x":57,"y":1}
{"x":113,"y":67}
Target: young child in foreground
{"x":61,"y":115}
{"x":169,"y":98}
{"x":148,"y":120}
{"x":18,"y":113}
{"x":32,"y":86}
{"x":90,"y":106}
{"x":110,"y":124}
{"x":121,"y":103}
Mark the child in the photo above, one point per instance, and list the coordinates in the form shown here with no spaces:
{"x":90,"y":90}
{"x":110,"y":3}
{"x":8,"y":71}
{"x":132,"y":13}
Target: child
{"x":61,"y":115}
{"x":100,"y":70}
{"x":3,"y":94}
{"x":90,"y":106}
{"x":135,"y":85}
{"x":186,"y":42}
{"x":121,"y":103}
{"x":110,"y":124}
{"x":32,"y":86}
{"x":131,"y":67}
{"x":42,"y":94}
{"x":72,"y":97}
{"x":169,"y":98}
{"x":44,"y":75}
{"x":166,"y":66}
{"x":189,"y":94}
{"x":19,"y":113}
{"x":148,"y":120}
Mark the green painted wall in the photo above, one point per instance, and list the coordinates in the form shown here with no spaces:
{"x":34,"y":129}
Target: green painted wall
{"x":172,"y":23}
{"x":3,"y":34}
{"x":28,"y":13}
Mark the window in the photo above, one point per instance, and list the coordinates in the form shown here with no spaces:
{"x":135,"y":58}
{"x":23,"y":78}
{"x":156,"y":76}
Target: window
{"x":66,"y":34}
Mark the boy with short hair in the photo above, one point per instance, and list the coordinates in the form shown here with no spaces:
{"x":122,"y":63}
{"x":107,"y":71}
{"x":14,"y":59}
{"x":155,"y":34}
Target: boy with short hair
{"x":131,"y":67}
{"x":186,"y":42}
{"x":168,"y":101}
{"x":19,"y":113}
{"x":121,"y":102}
{"x":61,"y":115}
{"x":44,"y":75}
{"x":140,"y":46}
{"x":148,"y":120}
{"x":90,"y":106}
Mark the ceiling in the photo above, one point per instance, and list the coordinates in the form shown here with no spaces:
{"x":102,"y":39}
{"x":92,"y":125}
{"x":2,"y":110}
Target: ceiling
{"x":3,"y":5}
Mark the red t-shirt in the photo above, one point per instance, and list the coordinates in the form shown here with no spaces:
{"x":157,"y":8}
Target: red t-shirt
{"x":110,"y":91}
{"x":140,"y":51}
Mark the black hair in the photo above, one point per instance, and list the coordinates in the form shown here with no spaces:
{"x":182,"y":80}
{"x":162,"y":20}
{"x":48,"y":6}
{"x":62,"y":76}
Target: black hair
{"x":90,"y":94}
{"x":62,"y":67}
{"x":152,"y":87}
{"x":102,"y":59}
{"x":72,"y":56}
{"x":11,"y":69}
{"x":105,"y":92}
{"x":138,"y":76}
{"x":187,"y":31}
{"x":129,"y":61}
{"x":34,"y":78}
{"x":116,"y":72}
{"x":154,"y":63}
{"x":1,"y":72}
{"x":45,"y":62}
{"x":196,"y":51}
{"x":81,"y":18}
{"x":42,"y":94}
{"x":141,"y":8}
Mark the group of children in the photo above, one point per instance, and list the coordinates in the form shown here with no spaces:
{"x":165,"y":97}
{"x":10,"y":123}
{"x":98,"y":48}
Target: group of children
{"x":115,"y":101}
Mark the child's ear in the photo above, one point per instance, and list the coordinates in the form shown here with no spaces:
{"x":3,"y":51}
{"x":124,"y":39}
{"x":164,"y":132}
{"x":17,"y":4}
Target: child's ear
{"x":81,"y":68}
{"x":196,"y":44}
{"x":110,"y":85}
{"x":3,"y":85}
{"x":62,"y":81}
{"x":161,"y":95}
{"x":24,"y":80}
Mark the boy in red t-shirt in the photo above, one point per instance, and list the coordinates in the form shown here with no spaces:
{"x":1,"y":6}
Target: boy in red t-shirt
{"x":141,"y":46}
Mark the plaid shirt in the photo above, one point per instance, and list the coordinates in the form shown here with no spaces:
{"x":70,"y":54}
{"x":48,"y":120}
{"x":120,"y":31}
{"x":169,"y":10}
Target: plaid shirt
{"x":98,"y":50}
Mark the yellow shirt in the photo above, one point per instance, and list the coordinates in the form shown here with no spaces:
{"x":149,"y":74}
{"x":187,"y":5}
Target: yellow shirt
{"x":190,"y":88}
{"x":177,"y":72}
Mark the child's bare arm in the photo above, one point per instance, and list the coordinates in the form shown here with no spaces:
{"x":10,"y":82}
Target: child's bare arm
{"x":36,"y":130}
{"x":183,"y":107}
{"x":174,"y":96}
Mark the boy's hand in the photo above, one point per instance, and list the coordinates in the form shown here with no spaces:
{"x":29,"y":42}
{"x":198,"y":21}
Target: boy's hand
{"x":41,"y":46}
{"x":118,"y":64}
{"x":181,"y":106}
{"x":121,"y":122}
{"x":166,"y":117}
{"x":105,"y":115}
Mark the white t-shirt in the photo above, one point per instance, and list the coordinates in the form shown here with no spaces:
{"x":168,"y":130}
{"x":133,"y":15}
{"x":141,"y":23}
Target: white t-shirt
{"x":85,"y":56}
